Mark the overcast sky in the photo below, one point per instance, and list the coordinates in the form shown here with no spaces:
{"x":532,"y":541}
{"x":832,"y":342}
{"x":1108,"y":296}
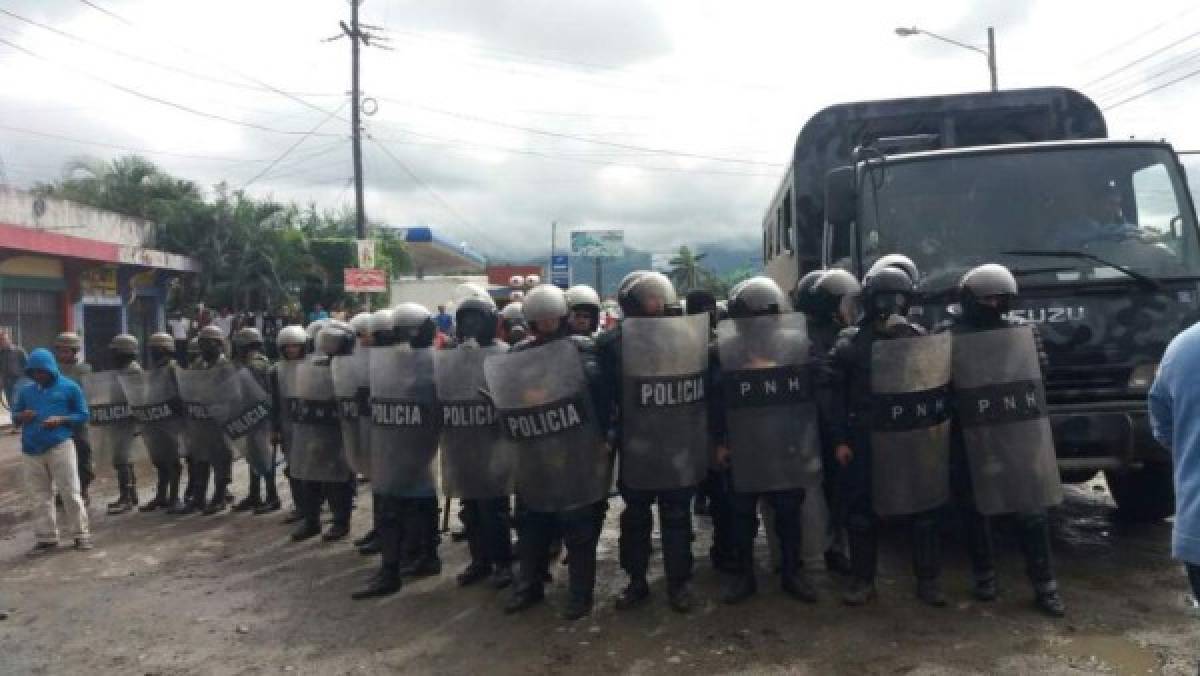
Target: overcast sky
{"x":479,"y":100}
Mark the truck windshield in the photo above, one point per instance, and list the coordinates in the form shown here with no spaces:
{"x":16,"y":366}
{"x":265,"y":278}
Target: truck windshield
{"x":1125,"y":205}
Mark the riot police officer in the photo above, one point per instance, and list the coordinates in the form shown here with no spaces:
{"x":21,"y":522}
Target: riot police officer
{"x":211,"y":341}
{"x":317,"y":460}
{"x":856,"y":416}
{"x":769,"y":428}
{"x":513,"y":327}
{"x":473,"y":451}
{"x":579,"y":458}
{"x":166,"y":460}
{"x":124,"y":351}
{"x":658,"y":366}
{"x":290,"y":341}
{"x":66,"y":352}
{"x":584,"y":303}
{"x":404,"y":439}
{"x":1029,"y":481}
{"x":248,"y":354}
{"x":379,"y":333}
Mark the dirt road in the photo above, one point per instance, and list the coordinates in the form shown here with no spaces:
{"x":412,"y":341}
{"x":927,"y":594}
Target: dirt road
{"x":230,"y":594}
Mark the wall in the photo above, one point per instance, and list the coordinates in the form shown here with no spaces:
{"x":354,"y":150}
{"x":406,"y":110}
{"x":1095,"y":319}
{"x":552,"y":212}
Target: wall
{"x":431,"y":291}
{"x":74,"y":220}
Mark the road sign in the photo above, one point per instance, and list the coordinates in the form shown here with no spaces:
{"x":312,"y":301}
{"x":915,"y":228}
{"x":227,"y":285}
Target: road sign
{"x":598,"y":243}
{"x":366,"y":253}
{"x":560,"y":270}
{"x":364,"y":280}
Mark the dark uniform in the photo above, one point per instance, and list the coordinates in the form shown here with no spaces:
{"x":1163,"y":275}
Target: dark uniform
{"x":259,"y":365}
{"x":1033,"y":527}
{"x":124,"y":349}
{"x":166,"y":496}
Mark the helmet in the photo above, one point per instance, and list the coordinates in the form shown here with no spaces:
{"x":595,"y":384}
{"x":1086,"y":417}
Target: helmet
{"x":413,"y":324}
{"x":627,"y":282}
{"x":380,"y":322}
{"x":757,"y":296}
{"x":211,"y":332}
{"x":335,"y":338}
{"x":310,"y":331}
{"x":246,"y":337}
{"x":123,"y":343}
{"x":161,"y":341}
{"x":650,"y":286}
{"x":361,"y":322}
{"x":476,"y":318}
{"x":513,"y":313}
{"x":545,"y":302}
{"x":990,"y":280}
{"x":582,"y":295}
{"x":834,"y":288}
{"x":517,"y":296}
{"x":896,"y":261}
{"x":802,"y":296}
{"x":69,"y":339}
{"x":292,"y":334}
{"x":887,"y":290}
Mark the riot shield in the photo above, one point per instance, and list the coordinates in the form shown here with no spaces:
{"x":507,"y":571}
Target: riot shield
{"x":312,"y":408}
{"x":477,"y":460}
{"x":541,"y":395}
{"x":154,"y":403}
{"x":349,"y":385}
{"x":1000,"y":400}
{"x":111,"y":422}
{"x":910,"y":424}
{"x":285,"y":380}
{"x":771,"y":417}
{"x":404,"y":434}
{"x":205,"y":403}
{"x":664,"y":405}
{"x":246,"y":423}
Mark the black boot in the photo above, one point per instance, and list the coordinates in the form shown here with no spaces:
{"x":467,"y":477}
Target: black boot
{"x":1035,"y":545}
{"x":421,"y":532}
{"x":926,"y":544}
{"x":308,"y":501}
{"x":271,"y":502}
{"x":199,"y":488}
{"x":160,"y":492}
{"x":579,"y":538}
{"x":384,"y":582}
{"x":679,"y":597}
{"x":864,"y":551}
{"x":341,"y":503}
{"x":296,"y":488}
{"x":253,"y":499}
{"x":636,"y":593}
{"x":173,"y":504}
{"x":128,"y":495}
{"x":502,"y":576}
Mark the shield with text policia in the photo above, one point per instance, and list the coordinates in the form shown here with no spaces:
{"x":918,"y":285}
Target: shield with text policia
{"x":477,"y":458}
{"x":545,"y":408}
{"x":404,"y":431}
{"x":111,"y":421}
{"x":247,"y":422}
{"x":771,"y":412}
{"x":205,"y":405}
{"x":910,"y":424}
{"x":664,"y":407}
{"x":1000,"y":400}
{"x":154,"y":403}
{"x":312,"y":408}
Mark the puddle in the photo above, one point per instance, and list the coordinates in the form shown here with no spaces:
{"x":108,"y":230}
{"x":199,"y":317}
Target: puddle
{"x":1117,"y":653}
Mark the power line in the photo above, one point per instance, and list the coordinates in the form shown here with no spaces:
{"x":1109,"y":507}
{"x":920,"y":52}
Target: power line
{"x":1125,"y":85}
{"x":1135,"y":62}
{"x":153,"y":98}
{"x":1160,"y":87}
{"x":145,"y":151}
{"x":1125,"y":43}
{"x":295,"y":145}
{"x":582,"y":139}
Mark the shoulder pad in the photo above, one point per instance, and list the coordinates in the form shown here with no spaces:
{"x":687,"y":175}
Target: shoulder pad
{"x":259,"y":362}
{"x":583,"y":343}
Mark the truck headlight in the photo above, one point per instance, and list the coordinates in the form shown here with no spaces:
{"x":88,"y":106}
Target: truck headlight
{"x":1143,"y":376}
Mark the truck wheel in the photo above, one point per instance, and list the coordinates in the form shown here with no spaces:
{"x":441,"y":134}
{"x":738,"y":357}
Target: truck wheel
{"x":1143,"y":495}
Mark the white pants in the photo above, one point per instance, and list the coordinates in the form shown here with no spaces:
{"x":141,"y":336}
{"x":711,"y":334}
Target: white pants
{"x":55,"y":468}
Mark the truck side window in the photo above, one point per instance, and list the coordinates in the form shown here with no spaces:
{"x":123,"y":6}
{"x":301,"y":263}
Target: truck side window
{"x":1154,"y":200}
{"x":789,"y":244}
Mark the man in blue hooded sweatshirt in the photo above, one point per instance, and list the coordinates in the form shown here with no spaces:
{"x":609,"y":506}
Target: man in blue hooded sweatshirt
{"x":47,"y":409}
{"x":1175,"y":420}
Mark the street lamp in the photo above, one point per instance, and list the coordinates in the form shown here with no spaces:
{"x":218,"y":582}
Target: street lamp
{"x":990,"y":52}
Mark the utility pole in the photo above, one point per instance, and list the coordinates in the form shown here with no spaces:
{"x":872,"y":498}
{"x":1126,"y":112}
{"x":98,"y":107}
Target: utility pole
{"x":360,"y":216}
{"x":991,"y":55}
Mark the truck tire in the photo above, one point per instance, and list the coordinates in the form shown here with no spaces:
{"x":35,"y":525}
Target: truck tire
{"x":1143,"y":495}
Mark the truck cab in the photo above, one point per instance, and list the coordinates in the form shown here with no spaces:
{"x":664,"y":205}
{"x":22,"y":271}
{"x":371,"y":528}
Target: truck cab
{"x":1102,"y":237}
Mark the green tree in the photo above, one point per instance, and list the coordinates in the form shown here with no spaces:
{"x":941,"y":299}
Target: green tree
{"x":686,"y":272}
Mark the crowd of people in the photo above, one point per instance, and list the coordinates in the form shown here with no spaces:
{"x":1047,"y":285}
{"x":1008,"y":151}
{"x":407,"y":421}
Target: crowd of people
{"x":821,"y":412}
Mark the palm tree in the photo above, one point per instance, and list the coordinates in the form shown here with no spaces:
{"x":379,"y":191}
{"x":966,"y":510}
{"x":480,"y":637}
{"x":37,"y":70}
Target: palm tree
{"x":686,"y":272}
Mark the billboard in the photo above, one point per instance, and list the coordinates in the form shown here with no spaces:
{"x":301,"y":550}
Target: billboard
{"x":364,"y":280}
{"x":598,"y":243}
{"x":560,"y":270}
